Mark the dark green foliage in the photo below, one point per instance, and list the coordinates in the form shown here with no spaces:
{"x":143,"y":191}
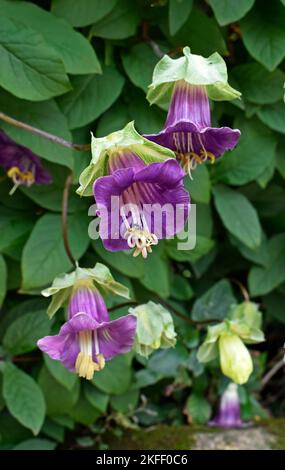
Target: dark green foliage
{"x":91,"y":66}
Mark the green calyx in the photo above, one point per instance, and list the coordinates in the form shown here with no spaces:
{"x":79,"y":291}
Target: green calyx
{"x":97,"y":277}
{"x":244,"y":321}
{"x":155,"y":328}
{"x":124,"y":140}
{"x":195,"y":70}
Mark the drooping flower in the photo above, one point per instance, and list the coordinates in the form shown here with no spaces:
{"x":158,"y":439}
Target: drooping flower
{"x":155,"y":328}
{"x":236,"y":362}
{"x":228,"y":415}
{"x":89,"y":337}
{"x":21,"y":164}
{"x":227,"y":339}
{"x":139,"y":204}
{"x":125,"y":141}
{"x":189,"y":82}
{"x":188,"y":129}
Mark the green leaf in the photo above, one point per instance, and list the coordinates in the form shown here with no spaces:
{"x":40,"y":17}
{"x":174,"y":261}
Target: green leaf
{"x":148,"y":119}
{"x":45,"y":116}
{"x":198,"y":409}
{"x":121,"y":23}
{"x":3,"y":279}
{"x":24,"y":398}
{"x":263,"y":33}
{"x":113,"y":119}
{"x":167,"y":362}
{"x":14,"y":228}
{"x":275,"y":306}
{"x":63,"y":376}
{"x":156,"y":273}
{"x":115,"y":378}
{"x":91,"y":96}
{"x":36,"y":444}
{"x":254,"y":153}
{"x":30,"y":68}
{"x":23,"y":333}
{"x":179,"y":10}
{"x":97,"y":399}
{"x":192,"y":33}
{"x":263,"y":280}
{"x":44,"y":255}
{"x":257,"y":84}
{"x":228,"y":11}
{"x":139,"y":62}
{"x":82,"y":13}
{"x":72,"y":48}
{"x":123,"y":261}
{"x":127,"y":402}
{"x":273,"y":116}
{"x":202,"y":247}
{"x":58,"y":399}
{"x":238,"y":215}
{"x":200,"y":186}
{"x":258,"y":256}
{"x":215,"y":303}
{"x":180,"y":288}
{"x":83,"y":412}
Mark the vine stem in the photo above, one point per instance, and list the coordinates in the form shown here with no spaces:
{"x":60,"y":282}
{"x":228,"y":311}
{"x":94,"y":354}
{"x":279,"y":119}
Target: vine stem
{"x":44,"y":134}
{"x":242,"y":289}
{"x":67,"y":185}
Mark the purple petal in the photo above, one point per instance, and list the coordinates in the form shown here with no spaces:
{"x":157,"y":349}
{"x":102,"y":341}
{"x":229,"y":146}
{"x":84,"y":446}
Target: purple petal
{"x":70,"y":352}
{"x":89,"y":301}
{"x":52,"y":345}
{"x":189,"y":102}
{"x":152,"y":188}
{"x":79,"y":322}
{"x":13,"y":154}
{"x":117,"y":336}
{"x":216,"y":140}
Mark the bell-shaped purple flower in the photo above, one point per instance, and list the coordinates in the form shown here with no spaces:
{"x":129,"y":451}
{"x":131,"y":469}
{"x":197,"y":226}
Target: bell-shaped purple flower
{"x":139,"y":204}
{"x":188,"y":129}
{"x":89,"y":337}
{"x":21,"y":164}
{"x":228,"y":415}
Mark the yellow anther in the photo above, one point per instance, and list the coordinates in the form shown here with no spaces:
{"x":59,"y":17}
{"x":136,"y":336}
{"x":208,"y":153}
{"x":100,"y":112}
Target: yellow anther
{"x":14,"y":171}
{"x":141,"y":240}
{"x":29,"y":177}
{"x":85,"y":367}
{"x":100,"y":361}
{"x":205,"y":155}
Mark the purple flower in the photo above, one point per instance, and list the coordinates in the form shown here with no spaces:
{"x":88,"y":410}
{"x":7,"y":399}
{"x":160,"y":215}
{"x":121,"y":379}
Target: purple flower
{"x":89,"y":337}
{"x":140,"y":204}
{"x":188,"y":129}
{"x":228,"y":415}
{"x":21,"y":164}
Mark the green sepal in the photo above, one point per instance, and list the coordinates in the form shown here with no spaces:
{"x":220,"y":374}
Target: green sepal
{"x":99,"y":276}
{"x":155,"y":328}
{"x":126,"y":139}
{"x":209,"y":348}
{"x":194,"y":69}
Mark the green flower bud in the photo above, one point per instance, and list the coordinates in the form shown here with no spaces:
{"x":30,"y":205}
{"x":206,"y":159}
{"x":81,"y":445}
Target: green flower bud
{"x":236,"y":362}
{"x":155,"y":328}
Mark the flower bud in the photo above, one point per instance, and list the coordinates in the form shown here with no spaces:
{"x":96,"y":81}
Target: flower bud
{"x":236,"y":362}
{"x":155,"y":328}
